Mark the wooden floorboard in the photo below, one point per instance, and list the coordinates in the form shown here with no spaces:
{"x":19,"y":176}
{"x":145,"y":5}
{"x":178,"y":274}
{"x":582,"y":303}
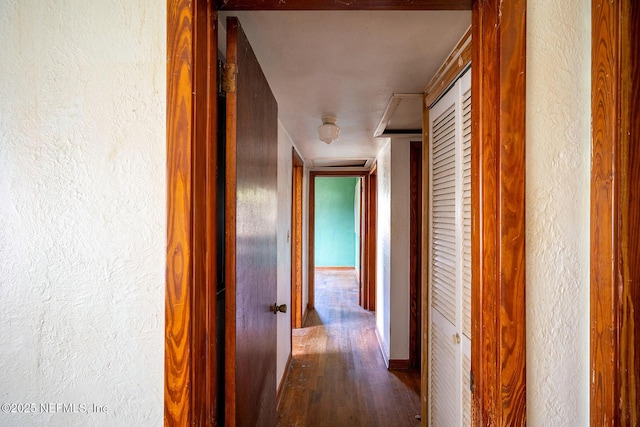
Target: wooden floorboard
{"x":338,"y":376}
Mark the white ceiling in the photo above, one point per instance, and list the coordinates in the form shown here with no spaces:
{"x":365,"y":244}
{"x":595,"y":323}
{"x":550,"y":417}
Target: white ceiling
{"x":348,"y":64}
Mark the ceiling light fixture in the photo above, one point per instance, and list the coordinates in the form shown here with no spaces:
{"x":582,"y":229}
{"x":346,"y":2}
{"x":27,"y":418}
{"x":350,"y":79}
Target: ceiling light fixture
{"x":328,"y":131}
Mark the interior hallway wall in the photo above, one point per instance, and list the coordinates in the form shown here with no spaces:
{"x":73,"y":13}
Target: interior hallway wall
{"x":392,"y":276}
{"x":82,"y":210}
{"x":285,"y":167}
{"x":557,"y":223}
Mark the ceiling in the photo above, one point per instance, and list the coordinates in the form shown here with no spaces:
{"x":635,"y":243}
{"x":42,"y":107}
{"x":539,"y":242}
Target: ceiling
{"x":349,"y":64}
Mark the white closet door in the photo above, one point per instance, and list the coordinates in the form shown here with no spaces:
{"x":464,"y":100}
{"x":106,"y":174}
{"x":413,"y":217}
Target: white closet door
{"x":450,"y":257}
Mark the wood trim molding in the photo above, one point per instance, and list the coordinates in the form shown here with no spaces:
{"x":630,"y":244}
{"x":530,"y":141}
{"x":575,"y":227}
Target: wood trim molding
{"x":230,"y":225}
{"x":399,"y":364}
{"x":416,"y":213}
{"x":424,"y":377}
{"x":498,"y":212}
{"x":334,"y":5}
{"x":363,"y":272}
{"x":190,"y":365}
{"x":372,"y":233}
{"x":455,"y":64}
{"x":615,"y":213}
{"x":177,"y":357}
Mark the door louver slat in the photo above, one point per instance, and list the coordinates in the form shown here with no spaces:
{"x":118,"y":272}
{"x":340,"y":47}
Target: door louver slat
{"x":443,"y":201}
{"x":466,"y":213}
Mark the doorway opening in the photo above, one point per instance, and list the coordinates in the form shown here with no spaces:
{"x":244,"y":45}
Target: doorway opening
{"x":498,"y":117}
{"x":337,"y":208}
{"x":329,"y":250}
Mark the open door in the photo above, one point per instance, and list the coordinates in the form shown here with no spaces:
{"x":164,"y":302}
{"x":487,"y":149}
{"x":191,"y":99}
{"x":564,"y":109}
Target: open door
{"x":250,"y":243}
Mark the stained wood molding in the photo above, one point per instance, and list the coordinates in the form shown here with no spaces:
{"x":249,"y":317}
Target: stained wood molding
{"x":372,"y":221}
{"x":338,"y":5}
{"x":615,"y":213}
{"x":190,"y":365}
{"x":498,"y":212}
{"x":424,"y":357}
{"x":297,"y":177}
{"x":399,"y":364}
{"x":416,"y":213}
{"x":457,"y":61}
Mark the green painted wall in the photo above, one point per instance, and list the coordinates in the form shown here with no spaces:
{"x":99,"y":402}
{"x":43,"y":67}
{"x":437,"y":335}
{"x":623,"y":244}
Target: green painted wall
{"x":335,"y":237}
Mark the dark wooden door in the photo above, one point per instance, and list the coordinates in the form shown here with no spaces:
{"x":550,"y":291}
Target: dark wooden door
{"x":251,"y":204}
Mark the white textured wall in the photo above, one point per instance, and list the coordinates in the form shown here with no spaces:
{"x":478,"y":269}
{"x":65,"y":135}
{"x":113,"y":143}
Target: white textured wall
{"x":557,"y":197}
{"x":383,"y":255}
{"x":82,"y":210}
{"x":400,"y":247}
{"x":285,"y":165}
{"x":392,"y":286}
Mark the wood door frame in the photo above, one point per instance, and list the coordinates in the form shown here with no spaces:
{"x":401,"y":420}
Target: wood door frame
{"x":190,"y":299}
{"x":415,"y":254}
{"x":498,"y":75}
{"x":615,"y":213}
{"x":498,"y":189}
{"x":372,"y":235}
{"x":297,"y":179}
{"x":311,"y":232}
{"x":363,"y":242}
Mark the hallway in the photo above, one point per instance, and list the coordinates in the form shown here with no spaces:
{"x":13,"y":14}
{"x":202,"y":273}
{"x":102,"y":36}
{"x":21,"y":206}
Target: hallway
{"x":338,"y":377}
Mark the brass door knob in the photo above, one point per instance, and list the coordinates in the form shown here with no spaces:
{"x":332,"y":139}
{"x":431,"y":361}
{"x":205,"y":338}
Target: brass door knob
{"x":282,"y":308}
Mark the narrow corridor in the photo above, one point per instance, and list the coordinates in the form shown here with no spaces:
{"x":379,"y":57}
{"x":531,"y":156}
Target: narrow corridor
{"x":338,"y":377}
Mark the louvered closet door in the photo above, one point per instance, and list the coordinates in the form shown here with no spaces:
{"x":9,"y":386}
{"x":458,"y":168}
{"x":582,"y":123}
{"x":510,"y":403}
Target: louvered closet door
{"x":450,"y":257}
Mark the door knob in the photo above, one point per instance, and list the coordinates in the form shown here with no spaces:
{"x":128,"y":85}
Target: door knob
{"x":282,"y":308}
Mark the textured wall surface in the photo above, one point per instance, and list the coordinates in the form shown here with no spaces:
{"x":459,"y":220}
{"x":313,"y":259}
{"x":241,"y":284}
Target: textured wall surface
{"x":285,"y":165}
{"x":82,"y":211}
{"x":400,"y":245}
{"x":392,"y":287}
{"x":383,"y":256}
{"x":557,"y":197}
{"x":335,"y":237}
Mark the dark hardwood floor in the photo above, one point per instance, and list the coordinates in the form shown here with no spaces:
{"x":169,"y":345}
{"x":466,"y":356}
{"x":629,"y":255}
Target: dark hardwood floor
{"x":338,"y":376}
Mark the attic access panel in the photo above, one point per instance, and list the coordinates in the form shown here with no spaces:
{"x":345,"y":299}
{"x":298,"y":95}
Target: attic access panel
{"x":402,"y":116}
{"x":342,"y":162}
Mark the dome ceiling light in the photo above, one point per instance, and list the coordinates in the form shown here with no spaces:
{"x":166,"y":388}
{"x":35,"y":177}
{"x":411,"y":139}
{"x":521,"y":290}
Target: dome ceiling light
{"x":328,"y":131}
